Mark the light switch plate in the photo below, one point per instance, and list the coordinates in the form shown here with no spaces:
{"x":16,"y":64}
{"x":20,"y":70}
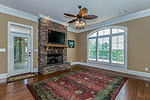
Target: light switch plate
{"x":146,"y":69}
{"x":35,"y":50}
{"x":2,"y":50}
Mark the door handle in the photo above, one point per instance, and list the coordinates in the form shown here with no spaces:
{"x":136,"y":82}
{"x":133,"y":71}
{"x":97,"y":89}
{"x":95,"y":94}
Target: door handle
{"x":29,"y":54}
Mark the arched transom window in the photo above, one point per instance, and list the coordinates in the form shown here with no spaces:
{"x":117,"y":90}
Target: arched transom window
{"x":108,"y":45}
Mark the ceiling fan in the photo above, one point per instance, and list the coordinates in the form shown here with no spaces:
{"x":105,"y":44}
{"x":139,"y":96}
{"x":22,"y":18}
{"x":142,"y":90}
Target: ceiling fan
{"x":81,"y":17}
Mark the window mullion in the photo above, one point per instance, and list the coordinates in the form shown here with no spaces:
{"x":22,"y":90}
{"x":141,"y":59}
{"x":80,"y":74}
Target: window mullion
{"x":125,"y":49}
{"x":110,"y":46}
{"x":97,"y":47}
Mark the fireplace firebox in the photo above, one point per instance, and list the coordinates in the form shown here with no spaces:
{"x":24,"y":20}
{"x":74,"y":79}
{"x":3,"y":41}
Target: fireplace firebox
{"x":54,"y":58}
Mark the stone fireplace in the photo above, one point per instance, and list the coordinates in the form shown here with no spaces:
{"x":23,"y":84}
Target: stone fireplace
{"x":55,"y":58}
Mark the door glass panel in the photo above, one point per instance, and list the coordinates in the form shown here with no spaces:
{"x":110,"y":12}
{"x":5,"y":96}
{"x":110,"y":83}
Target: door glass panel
{"x":20,"y":53}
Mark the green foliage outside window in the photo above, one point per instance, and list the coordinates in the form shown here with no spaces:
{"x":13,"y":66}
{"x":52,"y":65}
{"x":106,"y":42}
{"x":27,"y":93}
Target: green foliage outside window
{"x":103,"y":52}
{"x":92,"y":48}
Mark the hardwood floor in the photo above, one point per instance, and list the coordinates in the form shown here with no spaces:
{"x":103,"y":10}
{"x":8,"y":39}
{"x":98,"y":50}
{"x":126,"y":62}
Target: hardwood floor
{"x":133,"y":89}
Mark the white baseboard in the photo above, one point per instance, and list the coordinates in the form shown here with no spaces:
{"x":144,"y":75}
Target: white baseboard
{"x":75,"y":63}
{"x":113,"y":68}
{"x":2,"y":76}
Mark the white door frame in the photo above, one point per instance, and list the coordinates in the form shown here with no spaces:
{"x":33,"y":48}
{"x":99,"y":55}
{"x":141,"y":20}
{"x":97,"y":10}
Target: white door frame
{"x":10,"y":46}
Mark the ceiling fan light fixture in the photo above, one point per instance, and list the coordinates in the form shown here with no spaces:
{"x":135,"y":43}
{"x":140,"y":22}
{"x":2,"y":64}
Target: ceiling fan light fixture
{"x":80,"y":24}
{"x":80,"y":18}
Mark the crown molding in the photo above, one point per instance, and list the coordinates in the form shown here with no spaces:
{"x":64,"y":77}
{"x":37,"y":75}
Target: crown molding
{"x":129,"y":17}
{"x":17,"y":13}
{"x":72,"y":30}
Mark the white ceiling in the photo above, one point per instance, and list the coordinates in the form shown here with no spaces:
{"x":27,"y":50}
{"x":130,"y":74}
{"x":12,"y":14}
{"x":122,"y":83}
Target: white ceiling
{"x":104,"y":9}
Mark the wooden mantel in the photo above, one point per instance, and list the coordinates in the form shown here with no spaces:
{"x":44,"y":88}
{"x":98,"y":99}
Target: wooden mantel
{"x":52,"y":45}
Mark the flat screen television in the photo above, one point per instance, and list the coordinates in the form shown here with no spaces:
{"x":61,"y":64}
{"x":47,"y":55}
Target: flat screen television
{"x":56,"y":37}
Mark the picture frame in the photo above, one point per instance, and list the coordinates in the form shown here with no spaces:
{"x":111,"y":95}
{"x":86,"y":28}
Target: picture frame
{"x":71,"y":43}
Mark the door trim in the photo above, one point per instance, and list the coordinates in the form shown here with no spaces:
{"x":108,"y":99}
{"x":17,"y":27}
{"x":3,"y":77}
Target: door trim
{"x":9,"y":46}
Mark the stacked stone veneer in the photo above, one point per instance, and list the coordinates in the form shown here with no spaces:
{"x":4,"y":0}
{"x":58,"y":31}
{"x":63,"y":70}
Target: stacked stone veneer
{"x":44,"y":26}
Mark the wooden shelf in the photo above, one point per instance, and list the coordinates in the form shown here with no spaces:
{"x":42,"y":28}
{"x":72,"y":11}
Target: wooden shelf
{"x":52,"y":45}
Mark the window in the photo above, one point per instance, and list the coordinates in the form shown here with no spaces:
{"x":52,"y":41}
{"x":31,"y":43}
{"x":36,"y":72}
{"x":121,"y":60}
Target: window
{"x":108,"y":45}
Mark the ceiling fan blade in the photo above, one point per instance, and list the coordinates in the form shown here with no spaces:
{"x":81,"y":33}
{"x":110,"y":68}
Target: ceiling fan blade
{"x":88,"y":17}
{"x":72,"y":20}
{"x":70,"y":15}
{"x":83,"y":12}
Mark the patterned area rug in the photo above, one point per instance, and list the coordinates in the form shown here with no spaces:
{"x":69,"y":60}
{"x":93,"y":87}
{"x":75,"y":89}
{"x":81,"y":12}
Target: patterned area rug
{"x":83,"y":84}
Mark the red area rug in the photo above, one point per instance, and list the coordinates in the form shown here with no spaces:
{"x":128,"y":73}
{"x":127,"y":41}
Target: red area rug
{"x":78,"y":85}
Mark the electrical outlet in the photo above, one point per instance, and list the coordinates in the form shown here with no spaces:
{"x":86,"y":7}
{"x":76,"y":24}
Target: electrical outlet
{"x":146,"y":69}
{"x":70,"y":60}
{"x":2,"y":50}
{"x":81,"y":60}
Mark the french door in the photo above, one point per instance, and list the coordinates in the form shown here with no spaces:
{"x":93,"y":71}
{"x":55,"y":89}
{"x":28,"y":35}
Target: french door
{"x":20,"y":54}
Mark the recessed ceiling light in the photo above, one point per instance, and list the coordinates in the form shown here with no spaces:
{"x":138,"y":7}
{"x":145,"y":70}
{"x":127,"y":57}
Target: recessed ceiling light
{"x":125,"y":10}
{"x":119,"y":12}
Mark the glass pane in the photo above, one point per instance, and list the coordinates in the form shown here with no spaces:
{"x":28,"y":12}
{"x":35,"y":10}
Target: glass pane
{"x":92,"y":49}
{"x":20,"y":53}
{"x":103,"y":49}
{"x":121,"y":39}
{"x":114,"y":46}
{"x":121,"y":30}
{"x":104,"y":32}
{"x":114,"y":31}
{"x":120,"y":46}
{"x":118,"y":49}
{"x":94,"y":34}
{"x":100,"y":33}
{"x":20,"y":29}
{"x":121,"y":60}
{"x":114,"y":39}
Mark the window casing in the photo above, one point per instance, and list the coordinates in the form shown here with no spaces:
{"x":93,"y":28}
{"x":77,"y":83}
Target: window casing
{"x":108,"y":46}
